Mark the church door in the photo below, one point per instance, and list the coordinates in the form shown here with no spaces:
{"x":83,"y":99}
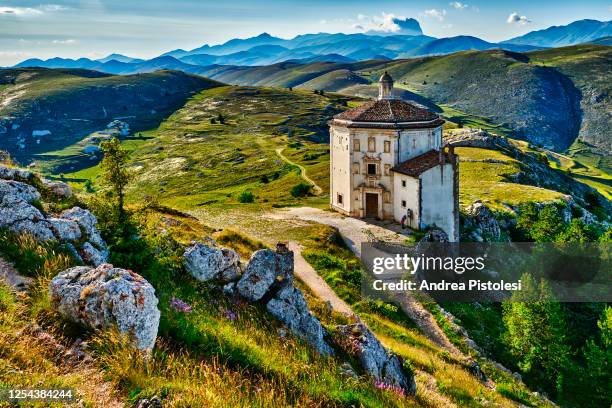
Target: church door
{"x":371,"y":205}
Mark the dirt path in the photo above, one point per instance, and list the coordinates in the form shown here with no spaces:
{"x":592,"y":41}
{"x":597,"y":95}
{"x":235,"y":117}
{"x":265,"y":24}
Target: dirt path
{"x":317,"y":190}
{"x":355,"y":232}
{"x":315,"y":282}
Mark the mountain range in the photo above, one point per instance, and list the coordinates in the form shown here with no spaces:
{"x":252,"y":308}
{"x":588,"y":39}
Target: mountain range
{"x":266,"y":49}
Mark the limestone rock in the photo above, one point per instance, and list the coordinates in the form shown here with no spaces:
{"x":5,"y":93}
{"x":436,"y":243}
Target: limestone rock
{"x":265,"y":269}
{"x":11,"y":173}
{"x":17,"y":210}
{"x":484,"y":222}
{"x":65,"y":230}
{"x":88,"y":223}
{"x":207,"y":263}
{"x":382,"y":365}
{"x":93,"y":256}
{"x":107,"y":297}
{"x":20,"y":213}
{"x":57,"y":189}
{"x":289,"y":306}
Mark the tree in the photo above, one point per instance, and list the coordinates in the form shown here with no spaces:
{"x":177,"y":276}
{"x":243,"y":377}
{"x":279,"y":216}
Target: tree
{"x":535,"y":332}
{"x":114,"y":171}
{"x":598,"y":357}
{"x":577,"y":231}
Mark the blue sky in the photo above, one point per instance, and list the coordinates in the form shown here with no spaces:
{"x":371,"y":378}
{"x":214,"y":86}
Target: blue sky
{"x":95,"y":28}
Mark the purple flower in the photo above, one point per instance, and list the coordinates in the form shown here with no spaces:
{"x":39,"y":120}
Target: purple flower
{"x":381,"y":385}
{"x":180,"y":305}
{"x":229,"y":315}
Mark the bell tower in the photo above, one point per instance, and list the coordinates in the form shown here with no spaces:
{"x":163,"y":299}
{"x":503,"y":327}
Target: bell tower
{"x":385,"y":86}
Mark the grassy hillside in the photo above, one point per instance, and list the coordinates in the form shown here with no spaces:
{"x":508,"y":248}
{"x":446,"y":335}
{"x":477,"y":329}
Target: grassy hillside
{"x":547,"y":97}
{"x":223,"y":352}
{"x":64,"y":106}
{"x":588,"y":66}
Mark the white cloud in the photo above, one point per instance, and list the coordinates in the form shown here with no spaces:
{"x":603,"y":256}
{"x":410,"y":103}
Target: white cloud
{"x":19,"y":11}
{"x":515,"y":18}
{"x":68,"y":41}
{"x":386,"y":23}
{"x":435,"y":13}
{"x":30,"y":11}
{"x":458,"y":5}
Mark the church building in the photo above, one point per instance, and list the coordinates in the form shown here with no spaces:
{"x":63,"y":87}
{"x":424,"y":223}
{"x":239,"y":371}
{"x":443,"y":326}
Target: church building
{"x":388,"y":162}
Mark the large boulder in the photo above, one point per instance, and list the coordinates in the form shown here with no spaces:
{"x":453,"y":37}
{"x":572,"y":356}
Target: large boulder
{"x":289,"y":306}
{"x":383,"y":366}
{"x":266,"y":269}
{"x":107,"y":297}
{"x":207,"y":263}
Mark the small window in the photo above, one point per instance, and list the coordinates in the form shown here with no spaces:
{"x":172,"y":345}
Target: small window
{"x":356,"y":145}
{"x":371,"y":169}
{"x":387,"y":146}
{"x":371,"y":144}
{"x":387,"y":168}
{"x":404,"y":203}
{"x":403,"y":183}
{"x":340,"y":198}
{"x":355,"y":168}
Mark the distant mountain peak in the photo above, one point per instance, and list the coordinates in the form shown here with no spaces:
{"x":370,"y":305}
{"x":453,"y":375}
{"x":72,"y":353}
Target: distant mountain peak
{"x":577,"y":32}
{"x":398,"y":26}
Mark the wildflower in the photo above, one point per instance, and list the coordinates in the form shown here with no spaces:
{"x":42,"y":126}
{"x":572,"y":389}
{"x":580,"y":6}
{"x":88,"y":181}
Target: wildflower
{"x":180,"y":305}
{"x":381,"y":385}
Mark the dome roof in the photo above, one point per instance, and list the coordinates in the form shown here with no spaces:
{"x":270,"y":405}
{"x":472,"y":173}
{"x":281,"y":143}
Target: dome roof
{"x":391,"y":113}
{"x":385,"y":77}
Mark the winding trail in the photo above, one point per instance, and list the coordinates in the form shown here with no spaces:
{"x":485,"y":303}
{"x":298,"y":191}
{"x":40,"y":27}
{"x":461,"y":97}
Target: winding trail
{"x":355,"y":232}
{"x":315,"y":282}
{"x":317,"y":190}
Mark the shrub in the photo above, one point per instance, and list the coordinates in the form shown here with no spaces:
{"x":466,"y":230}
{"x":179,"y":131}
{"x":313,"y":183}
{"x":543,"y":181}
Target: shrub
{"x":301,"y":190}
{"x":244,"y":245}
{"x":246,"y":197}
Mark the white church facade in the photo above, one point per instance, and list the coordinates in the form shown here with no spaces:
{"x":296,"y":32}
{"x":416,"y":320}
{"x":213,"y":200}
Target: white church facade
{"x":388,"y":162}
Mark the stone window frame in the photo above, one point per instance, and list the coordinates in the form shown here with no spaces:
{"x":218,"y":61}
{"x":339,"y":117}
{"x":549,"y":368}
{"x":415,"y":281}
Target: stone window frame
{"x":371,"y":144}
{"x":376,"y":169}
{"x":356,"y":167}
{"x":387,"y":146}
{"x":356,"y":145}
{"x":387,"y":169}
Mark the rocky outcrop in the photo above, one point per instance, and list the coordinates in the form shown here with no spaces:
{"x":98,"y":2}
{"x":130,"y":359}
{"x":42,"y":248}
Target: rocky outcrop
{"x":57,"y":189}
{"x":268,"y":278}
{"x":16,"y":174}
{"x":482,"y":223}
{"x":107,"y":297}
{"x":18,"y":210}
{"x":265,"y":269}
{"x":21,"y":212}
{"x":289,"y":306}
{"x":383,"y":366}
{"x":206,"y":263}
{"x":536,"y":171}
